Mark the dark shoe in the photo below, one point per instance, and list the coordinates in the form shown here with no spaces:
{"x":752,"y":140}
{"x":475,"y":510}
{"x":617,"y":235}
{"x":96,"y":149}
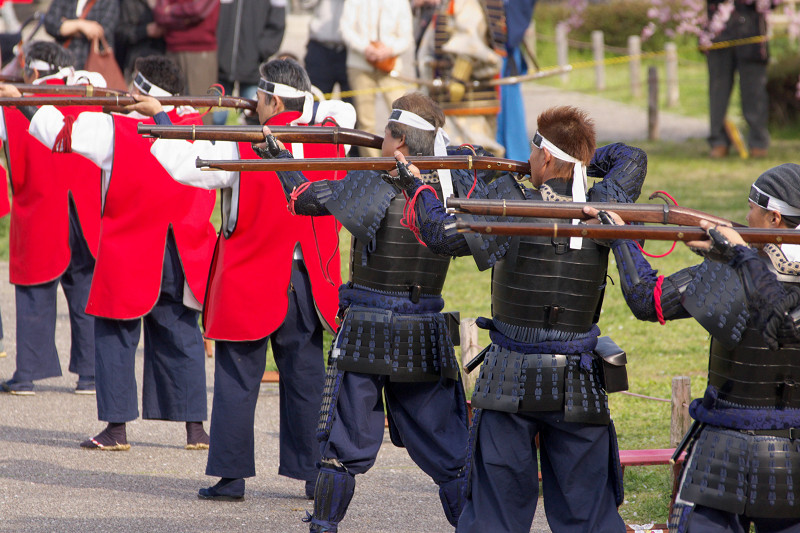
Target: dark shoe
{"x":112,"y":439}
{"x":85,"y":385}
{"x":196,"y":436}
{"x":311,"y":486}
{"x":758,"y":153}
{"x":718,"y":152}
{"x":19,"y":388}
{"x":226,"y":490}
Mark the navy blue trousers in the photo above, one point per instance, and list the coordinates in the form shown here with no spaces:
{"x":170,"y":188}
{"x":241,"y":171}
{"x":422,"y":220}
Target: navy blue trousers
{"x":326,"y":67}
{"x":577,"y":482}
{"x":37,"y":357}
{"x":707,"y":520}
{"x":429,"y":419}
{"x":239,"y":366}
{"x":174,"y":380}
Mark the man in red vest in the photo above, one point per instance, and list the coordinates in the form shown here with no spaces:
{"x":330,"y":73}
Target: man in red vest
{"x":55,"y":228}
{"x":274,"y":278}
{"x":152,"y":267}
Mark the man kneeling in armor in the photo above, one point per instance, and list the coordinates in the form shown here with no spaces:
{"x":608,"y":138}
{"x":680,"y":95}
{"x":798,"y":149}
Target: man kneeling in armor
{"x":744,"y":447}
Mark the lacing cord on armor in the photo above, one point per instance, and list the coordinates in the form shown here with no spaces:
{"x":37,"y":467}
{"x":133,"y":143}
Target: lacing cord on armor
{"x":658,"y":256}
{"x":474,"y":172}
{"x":409,"y":219}
{"x":657,"y":300}
{"x":296,"y":192}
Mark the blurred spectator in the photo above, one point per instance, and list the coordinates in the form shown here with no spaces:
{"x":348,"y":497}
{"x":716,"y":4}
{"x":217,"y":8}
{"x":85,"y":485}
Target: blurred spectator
{"x":190,"y":31}
{"x":750,"y":60}
{"x":423,"y":15}
{"x":137,"y":34}
{"x":462,"y":46}
{"x":374,"y":30}
{"x":75,"y":23}
{"x":326,"y":54}
{"x":249,"y":31}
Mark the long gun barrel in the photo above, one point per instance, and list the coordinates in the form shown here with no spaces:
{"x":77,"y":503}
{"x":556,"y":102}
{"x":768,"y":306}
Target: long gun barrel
{"x":291,"y":134}
{"x":367,"y":163}
{"x":123,"y":100}
{"x":658,"y":214}
{"x":597,"y":231}
{"x":77,"y":90}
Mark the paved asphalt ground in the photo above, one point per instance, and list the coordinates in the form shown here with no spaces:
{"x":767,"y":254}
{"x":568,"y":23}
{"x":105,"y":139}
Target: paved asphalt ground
{"x":48,"y":483}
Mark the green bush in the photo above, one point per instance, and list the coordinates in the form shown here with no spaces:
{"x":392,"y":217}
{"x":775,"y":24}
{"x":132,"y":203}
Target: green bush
{"x":782,"y":77}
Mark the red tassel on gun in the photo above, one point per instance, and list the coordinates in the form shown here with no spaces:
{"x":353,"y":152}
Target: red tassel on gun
{"x":63,"y":144}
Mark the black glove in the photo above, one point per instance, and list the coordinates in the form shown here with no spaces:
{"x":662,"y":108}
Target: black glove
{"x":404,"y":180}
{"x":721,"y":248}
{"x":606,"y":220}
{"x":270,"y":151}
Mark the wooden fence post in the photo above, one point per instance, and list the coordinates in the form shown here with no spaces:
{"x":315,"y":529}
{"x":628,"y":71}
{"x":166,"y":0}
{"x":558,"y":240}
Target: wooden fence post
{"x":469,"y":349}
{"x":562,"y":54}
{"x":635,"y":52}
{"x":673,"y":91}
{"x":652,"y":104}
{"x":681,"y":396}
{"x":598,"y":51}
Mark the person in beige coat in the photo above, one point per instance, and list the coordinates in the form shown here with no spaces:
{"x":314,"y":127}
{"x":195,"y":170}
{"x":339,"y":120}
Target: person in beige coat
{"x":375,"y":31}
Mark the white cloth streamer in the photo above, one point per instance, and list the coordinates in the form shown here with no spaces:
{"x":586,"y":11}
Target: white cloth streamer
{"x":579,"y":179}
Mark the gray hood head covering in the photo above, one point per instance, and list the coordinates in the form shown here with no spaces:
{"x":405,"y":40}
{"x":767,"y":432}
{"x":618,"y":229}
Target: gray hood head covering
{"x":778,"y":189}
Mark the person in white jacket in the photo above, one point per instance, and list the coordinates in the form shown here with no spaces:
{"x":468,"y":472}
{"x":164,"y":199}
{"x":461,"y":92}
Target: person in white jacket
{"x":374,"y":31}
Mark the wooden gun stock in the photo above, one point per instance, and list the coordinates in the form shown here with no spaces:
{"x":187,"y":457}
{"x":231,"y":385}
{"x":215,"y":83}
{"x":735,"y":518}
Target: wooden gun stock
{"x":76,"y":90}
{"x":289,"y":134}
{"x":597,"y":231}
{"x":367,"y":163}
{"x":658,"y":214}
{"x":122,"y":100}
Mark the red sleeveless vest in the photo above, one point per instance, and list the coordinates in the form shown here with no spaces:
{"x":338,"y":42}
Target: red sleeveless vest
{"x":41,"y":184}
{"x":250,"y":274}
{"x":5,"y":205}
{"x":142,"y":203}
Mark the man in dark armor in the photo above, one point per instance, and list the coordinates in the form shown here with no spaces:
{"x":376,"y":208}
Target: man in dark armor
{"x":744,"y":447}
{"x":541,"y":374}
{"x":393,"y":340}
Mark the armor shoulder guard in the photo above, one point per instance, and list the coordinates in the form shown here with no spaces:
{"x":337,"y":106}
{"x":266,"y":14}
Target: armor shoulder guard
{"x":360,"y":202}
{"x":715,"y":298}
{"x":488,"y":249}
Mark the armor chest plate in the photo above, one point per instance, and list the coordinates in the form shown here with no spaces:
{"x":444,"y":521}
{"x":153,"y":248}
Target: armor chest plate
{"x":542,"y":283}
{"x":395,"y":262}
{"x":750,"y":375}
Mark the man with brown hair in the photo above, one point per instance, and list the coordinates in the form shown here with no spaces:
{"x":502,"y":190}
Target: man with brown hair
{"x":541,"y":374}
{"x":393,"y":340}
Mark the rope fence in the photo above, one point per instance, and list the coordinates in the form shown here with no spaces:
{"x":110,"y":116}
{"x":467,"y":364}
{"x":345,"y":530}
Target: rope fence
{"x":631,"y":55}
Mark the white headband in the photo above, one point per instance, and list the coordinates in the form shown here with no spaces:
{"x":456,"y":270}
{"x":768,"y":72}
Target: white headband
{"x":148,"y":87}
{"x":578,"y":178}
{"x":70,"y":76}
{"x":286,"y":91}
{"x":41,"y":65}
{"x":439,"y":145}
{"x":760,"y":198}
